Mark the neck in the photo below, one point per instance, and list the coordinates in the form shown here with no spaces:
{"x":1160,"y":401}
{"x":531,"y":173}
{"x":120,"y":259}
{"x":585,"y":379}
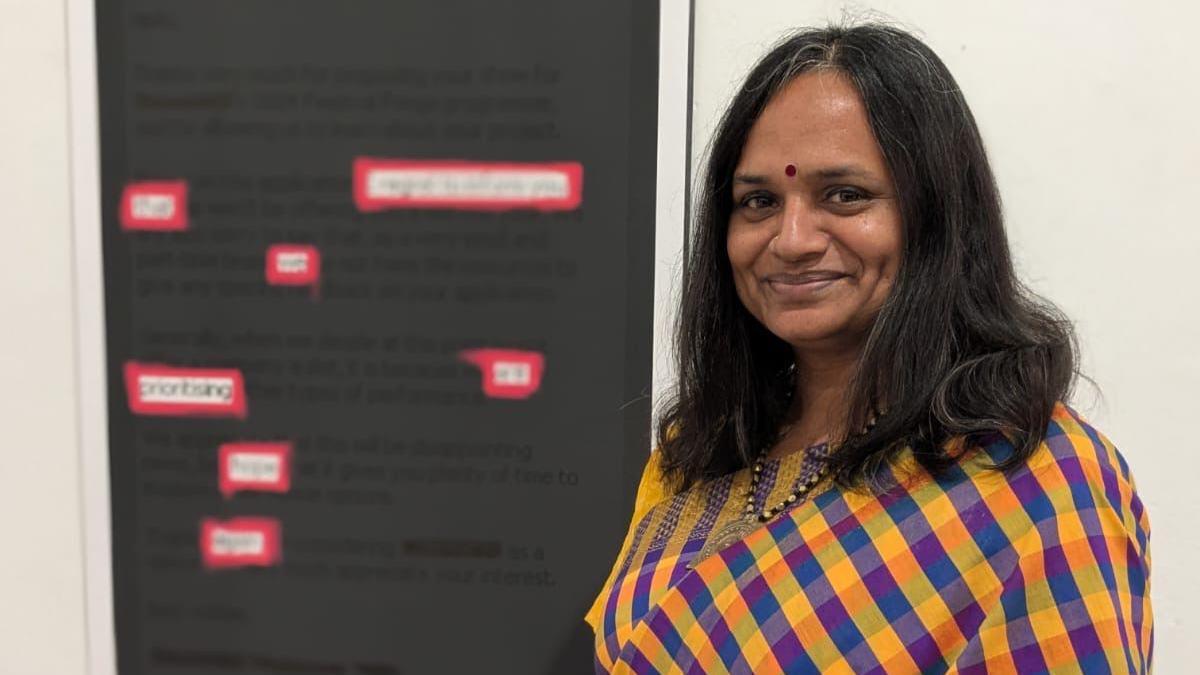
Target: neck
{"x":819,"y":401}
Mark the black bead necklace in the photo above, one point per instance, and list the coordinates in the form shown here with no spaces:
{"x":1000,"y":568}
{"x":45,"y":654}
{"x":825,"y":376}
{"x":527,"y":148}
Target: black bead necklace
{"x":753,"y":518}
{"x":802,"y":485}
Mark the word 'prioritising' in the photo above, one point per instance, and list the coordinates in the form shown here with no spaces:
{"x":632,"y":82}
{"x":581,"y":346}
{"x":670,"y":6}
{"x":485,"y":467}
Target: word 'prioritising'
{"x":155,"y":389}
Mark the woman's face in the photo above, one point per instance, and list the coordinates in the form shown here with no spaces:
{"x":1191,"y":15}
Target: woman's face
{"x":815,"y":235}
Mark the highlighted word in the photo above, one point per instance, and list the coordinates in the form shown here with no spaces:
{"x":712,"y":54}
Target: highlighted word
{"x":381,"y":184}
{"x":155,"y":205}
{"x":261,"y":467}
{"x":240,"y":542}
{"x":293,"y":265}
{"x":507,"y":373}
{"x":155,"y":389}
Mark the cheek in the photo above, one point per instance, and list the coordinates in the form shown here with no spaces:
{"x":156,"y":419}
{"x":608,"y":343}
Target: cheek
{"x":886,"y":261}
{"x":892,"y":252}
{"x":742,"y":250}
{"x":881,"y":246}
{"x":888,"y":269}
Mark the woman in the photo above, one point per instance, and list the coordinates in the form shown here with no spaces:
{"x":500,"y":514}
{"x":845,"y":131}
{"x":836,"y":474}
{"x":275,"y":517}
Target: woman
{"x":869,"y":466}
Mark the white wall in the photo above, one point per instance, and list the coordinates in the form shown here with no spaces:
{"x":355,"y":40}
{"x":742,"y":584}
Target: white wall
{"x":41,"y":567}
{"x":1088,"y":111}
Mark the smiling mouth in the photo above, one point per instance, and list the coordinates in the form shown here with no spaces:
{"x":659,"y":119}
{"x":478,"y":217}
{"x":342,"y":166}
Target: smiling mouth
{"x":805,"y":277}
{"x":802,"y":286}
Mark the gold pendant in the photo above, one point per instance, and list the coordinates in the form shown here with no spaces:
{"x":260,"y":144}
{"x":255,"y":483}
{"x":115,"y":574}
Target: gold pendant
{"x":728,"y":535}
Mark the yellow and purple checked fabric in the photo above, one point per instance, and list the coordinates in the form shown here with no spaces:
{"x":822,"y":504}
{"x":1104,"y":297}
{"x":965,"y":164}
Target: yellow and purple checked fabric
{"x":1043,"y":570}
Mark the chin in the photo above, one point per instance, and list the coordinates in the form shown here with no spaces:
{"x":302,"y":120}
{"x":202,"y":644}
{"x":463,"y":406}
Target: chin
{"x":810,"y":331}
{"x":798,"y":336}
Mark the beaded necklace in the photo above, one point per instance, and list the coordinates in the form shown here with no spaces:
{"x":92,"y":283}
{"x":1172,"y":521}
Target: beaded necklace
{"x":754,"y":518}
{"x":803,"y":484}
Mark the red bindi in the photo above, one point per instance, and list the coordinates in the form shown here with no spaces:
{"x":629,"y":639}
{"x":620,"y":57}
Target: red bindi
{"x":790,"y":170}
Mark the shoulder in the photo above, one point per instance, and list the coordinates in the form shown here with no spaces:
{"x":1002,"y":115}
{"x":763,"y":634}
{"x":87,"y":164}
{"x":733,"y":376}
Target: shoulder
{"x":1069,"y":438}
{"x":1075,"y":478}
{"x":1059,"y":540}
{"x":1075,"y":483}
{"x":1072,"y":447}
{"x":652,"y":488}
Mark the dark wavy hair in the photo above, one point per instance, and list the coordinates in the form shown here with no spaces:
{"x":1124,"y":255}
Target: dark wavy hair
{"x":960,"y":349}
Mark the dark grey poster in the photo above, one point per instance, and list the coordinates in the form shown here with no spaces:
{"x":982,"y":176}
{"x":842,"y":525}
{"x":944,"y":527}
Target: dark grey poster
{"x":378,"y":288}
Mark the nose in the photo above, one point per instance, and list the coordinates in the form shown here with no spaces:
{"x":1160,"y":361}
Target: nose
{"x":801,"y":233}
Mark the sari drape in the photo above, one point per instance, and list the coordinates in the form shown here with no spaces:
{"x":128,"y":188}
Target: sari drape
{"x":1045,"y":569}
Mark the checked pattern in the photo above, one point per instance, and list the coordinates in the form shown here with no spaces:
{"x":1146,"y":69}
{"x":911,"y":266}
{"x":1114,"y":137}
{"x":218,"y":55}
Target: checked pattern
{"x":1042,"y":570}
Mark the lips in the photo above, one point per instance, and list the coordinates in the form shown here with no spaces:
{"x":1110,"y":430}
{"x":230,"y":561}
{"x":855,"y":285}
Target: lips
{"x":803,"y":286}
{"x":802,"y":278}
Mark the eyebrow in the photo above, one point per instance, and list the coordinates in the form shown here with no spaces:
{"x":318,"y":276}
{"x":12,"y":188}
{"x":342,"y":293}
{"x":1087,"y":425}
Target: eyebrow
{"x":826,"y":173}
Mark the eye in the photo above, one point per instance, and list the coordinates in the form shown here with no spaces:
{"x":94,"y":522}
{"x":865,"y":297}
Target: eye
{"x":847,"y":196}
{"x":756,"y":201}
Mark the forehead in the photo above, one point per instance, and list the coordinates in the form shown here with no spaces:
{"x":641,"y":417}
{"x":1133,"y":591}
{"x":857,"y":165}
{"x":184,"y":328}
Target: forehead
{"x":817,"y":118}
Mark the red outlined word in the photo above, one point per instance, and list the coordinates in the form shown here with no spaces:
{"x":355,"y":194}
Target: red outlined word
{"x":381,"y":184}
{"x":507,"y":373}
{"x":248,"y":541}
{"x":254,"y":466}
{"x":159,"y":205}
{"x":155,"y":389}
{"x":293,"y":265}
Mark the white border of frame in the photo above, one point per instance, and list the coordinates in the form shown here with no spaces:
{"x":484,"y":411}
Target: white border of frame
{"x":673,"y":194}
{"x":90,"y":378}
{"x":674,"y":129}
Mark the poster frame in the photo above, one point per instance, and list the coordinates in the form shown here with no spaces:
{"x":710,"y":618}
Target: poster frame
{"x":671,"y":211}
